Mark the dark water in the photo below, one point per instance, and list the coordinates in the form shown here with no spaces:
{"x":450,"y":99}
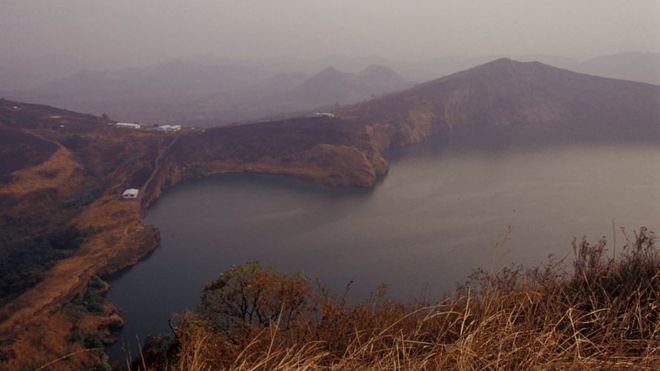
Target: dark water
{"x":438,"y":215}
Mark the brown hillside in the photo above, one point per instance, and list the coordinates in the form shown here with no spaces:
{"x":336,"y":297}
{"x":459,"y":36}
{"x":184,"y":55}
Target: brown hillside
{"x":19,"y":149}
{"x":510,"y":94}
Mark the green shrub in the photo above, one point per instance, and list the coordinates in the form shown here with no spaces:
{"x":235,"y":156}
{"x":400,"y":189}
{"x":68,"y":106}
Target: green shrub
{"x":24,"y":258}
{"x":93,"y":341}
{"x":92,"y":298}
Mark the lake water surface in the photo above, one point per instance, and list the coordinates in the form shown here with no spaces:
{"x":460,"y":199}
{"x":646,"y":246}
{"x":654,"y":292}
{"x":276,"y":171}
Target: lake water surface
{"x":439,"y":214}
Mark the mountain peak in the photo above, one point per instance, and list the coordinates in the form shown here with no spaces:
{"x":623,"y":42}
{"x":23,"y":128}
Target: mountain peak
{"x":330,"y":71}
{"x":378,"y":78}
{"x":503,"y":60}
{"x":505,"y":63}
{"x":505,"y":69}
{"x":379,"y":71}
{"x":505,"y":92}
{"x":329,"y":76}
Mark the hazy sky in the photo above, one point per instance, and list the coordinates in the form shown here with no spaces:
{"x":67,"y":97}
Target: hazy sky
{"x":143,"y":31}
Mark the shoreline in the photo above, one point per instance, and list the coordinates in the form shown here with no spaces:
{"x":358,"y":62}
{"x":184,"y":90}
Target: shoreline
{"x":104,"y":255}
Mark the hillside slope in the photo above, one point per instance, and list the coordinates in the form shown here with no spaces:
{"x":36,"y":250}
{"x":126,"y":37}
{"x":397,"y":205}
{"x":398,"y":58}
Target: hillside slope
{"x":62,"y":221}
{"x":505,"y":94}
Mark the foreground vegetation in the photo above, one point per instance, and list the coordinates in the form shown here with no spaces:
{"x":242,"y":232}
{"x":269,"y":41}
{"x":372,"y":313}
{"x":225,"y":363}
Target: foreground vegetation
{"x":603,"y":314}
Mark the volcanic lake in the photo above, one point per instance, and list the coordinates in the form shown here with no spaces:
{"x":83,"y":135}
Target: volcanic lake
{"x":441,"y":212}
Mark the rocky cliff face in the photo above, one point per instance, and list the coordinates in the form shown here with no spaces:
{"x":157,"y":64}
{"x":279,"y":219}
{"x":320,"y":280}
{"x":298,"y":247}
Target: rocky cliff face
{"x":325,"y":150}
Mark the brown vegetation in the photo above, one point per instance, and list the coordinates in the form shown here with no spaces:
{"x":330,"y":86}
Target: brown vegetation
{"x":76,"y":187}
{"x":603,"y":315}
{"x":19,"y":149}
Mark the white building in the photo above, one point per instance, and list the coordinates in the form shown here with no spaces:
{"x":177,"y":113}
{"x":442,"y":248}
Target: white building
{"x":130,"y":193}
{"x":129,"y":125}
{"x":168,"y":128}
{"x":323,"y":114}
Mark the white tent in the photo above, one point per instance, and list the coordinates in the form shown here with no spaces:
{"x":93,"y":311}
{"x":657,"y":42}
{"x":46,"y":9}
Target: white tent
{"x":130,"y":193}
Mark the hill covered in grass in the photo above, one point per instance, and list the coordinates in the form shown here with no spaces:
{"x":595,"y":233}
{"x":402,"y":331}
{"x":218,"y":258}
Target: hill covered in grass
{"x":62,"y":220}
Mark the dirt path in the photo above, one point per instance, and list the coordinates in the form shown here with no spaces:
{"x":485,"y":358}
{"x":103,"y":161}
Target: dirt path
{"x":156,"y":170}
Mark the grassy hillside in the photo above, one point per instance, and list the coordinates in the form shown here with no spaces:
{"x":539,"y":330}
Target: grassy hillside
{"x":62,"y":220}
{"x":55,"y":164}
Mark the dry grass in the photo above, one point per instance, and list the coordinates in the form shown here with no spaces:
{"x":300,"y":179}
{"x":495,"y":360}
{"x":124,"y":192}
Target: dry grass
{"x":602,"y":315}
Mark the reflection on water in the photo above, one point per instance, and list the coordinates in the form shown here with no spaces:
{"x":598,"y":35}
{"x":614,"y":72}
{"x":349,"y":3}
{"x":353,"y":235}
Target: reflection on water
{"x":438,"y":215}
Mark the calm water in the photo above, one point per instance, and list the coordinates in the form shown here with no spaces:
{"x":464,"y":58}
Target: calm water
{"x":437,"y":216}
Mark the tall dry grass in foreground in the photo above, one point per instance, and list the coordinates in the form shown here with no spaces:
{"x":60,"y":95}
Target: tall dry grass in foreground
{"x":602,"y":315}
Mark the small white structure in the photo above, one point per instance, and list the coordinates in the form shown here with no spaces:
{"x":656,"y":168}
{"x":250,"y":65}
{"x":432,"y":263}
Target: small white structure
{"x":128,"y":125}
{"x":130,"y":194}
{"x":168,"y":128}
{"x":323,"y":114}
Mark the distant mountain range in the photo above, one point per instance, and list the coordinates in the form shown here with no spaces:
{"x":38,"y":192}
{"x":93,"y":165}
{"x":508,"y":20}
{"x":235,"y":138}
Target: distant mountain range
{"x":640,"y":67}
{"x":211,"y":91}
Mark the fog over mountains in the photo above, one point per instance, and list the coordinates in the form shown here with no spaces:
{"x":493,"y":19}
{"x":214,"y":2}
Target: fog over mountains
{"x":199,"y":92}
{"x":208,"y":91}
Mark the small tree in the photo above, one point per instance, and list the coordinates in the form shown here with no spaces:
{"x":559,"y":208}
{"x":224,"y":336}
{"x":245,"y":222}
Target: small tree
{"x":250,"y":295}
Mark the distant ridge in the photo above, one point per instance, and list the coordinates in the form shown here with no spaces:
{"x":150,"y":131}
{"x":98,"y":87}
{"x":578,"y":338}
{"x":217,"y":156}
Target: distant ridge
{"x":507,"y":93}
{"x":205,"y":94}
{"x":643,"y":67}
{"x":332,"y":86}
{"x":329,"y":86}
